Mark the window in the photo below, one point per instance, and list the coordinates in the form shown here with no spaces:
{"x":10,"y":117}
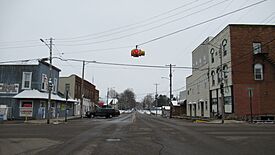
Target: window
{"x":204,"y":59}
{"x":212,"y":54}
{"x":225,"y":71}
{"x":44,"y":82}
{"x":67,"y":87}
{"x":206,"y":106}
{"x":224,"y":43}
{"x":27,"y":79}
{"x":258,"y":72}
{"x":198,"y":88}
{"x":213,"y":77}
{"x":218,"y":74}
{"x":257,"y":48}
{"x":55,"y":85}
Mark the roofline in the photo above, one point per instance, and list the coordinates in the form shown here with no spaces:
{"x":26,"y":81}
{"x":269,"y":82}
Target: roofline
{"x":250,"y":25}
{"x":47,"y":64}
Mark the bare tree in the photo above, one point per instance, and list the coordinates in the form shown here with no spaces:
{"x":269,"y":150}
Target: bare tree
{"x":127,"y":99}
{"x":147,"y":101}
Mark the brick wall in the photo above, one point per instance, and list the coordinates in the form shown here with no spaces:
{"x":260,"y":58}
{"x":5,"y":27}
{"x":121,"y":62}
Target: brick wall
{"x":242,"y":37}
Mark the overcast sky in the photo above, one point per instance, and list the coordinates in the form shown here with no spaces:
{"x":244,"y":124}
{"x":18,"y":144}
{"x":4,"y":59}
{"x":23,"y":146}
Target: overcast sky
{"x":107,"y":30}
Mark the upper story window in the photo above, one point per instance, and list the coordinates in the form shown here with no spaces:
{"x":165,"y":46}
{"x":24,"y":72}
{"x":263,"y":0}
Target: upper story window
{"x":44,"y":82}
{"x":257,"y":48}
{"x":224,"y":43}
{"x":213,"y":77}
{"x":212,"y":55}
{"x":258,"y":72}
{"x":225,"y":71}
{"x":26,"y":80}
{"x":219,"y":74}
{"x":55,"y":85}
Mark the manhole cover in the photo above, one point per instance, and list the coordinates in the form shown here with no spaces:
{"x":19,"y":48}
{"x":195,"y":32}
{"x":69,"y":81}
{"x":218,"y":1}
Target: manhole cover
{"x":113,"y":140}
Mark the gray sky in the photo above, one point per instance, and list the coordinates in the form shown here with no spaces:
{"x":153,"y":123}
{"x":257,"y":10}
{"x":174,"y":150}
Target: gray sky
{"x":84,"y":29}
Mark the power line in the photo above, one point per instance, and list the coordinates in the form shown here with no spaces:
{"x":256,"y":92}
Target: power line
{"x":128,"y":65}
{"x":201,"y":23}
{"x":97,"y":50}
{"x":139,"y":25}
{"x":149,"y":29}
{"x":129,"y":25}
{"x":27,"y":46}
{"x":18,"y":41}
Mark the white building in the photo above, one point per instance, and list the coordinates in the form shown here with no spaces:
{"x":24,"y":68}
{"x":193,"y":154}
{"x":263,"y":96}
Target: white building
{"x":197,"y":84}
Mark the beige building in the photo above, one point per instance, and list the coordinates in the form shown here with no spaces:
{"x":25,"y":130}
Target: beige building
{"x":197,"y":84}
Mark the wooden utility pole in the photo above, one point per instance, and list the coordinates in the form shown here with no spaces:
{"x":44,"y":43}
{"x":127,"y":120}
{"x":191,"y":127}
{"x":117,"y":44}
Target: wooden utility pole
{"x":156,"y":98}
{"x":82,"y":90}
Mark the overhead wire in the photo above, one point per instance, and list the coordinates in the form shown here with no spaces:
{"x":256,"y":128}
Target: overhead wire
{"x":142,"y":31}
{"x":201,"y":23}
{"x":133,"y":24}
{"x":142,"y":24}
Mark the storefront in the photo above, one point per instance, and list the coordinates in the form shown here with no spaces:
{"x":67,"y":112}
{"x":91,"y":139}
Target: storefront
{"x":33,"y":104}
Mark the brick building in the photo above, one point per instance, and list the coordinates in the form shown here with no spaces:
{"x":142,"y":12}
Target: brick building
{"x":248,"y":64}
{"x":241,"y":57}
{"x":73,"y":84}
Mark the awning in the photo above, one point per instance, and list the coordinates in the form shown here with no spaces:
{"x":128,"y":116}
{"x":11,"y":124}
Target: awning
{"x":35,"y":94}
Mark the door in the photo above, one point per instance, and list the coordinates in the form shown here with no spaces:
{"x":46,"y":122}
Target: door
{"x":202,"y":108}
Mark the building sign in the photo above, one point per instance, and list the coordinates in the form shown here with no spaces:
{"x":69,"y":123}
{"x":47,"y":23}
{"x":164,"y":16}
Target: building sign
{"x":26,"y":109}
{"x":9,"y":88}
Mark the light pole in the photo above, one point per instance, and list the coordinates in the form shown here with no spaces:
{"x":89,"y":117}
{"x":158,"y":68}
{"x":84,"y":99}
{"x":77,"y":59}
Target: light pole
{"x":156,"y":98}
{"x":50,"y":84}
{"x":170,"y":87}
{"x":82,"y":90}
{"x":108,"y":94}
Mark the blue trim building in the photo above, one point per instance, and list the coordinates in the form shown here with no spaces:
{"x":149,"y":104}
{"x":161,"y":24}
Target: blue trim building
{"x":24,"y":90}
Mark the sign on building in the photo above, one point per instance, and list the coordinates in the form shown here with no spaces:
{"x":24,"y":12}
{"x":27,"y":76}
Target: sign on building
{"x":26,"y":109}
{"x":9,"y":88}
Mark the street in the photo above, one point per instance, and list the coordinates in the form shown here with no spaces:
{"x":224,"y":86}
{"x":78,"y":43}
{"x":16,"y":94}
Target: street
{"x":136,"y":133}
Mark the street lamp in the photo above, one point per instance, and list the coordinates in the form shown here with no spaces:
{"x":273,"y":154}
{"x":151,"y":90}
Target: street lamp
{"x":108,"y":91}
{"x":50,"y":84}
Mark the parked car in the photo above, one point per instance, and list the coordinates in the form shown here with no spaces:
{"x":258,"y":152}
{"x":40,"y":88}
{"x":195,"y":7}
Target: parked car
{"x":103,"y":112}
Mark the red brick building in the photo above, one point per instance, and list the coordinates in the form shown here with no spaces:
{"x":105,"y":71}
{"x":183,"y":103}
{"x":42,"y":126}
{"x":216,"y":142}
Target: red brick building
{"x":73,"y":84}
{"x":247,"y":65}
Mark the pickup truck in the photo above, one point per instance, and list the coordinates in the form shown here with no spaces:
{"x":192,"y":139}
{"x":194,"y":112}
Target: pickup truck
{"x":103,"y":112}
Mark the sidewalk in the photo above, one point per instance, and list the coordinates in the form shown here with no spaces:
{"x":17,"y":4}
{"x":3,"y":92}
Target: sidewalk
{"x":225,"y":122}
{"x":42,"y":121}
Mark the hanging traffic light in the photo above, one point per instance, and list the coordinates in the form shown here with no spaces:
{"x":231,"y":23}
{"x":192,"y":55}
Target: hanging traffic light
{"x":137,"y":52}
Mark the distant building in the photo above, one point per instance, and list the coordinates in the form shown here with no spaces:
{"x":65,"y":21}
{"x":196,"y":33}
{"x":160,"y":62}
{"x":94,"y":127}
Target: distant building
{"x":24,"y":90}
{"x":73,"y":85}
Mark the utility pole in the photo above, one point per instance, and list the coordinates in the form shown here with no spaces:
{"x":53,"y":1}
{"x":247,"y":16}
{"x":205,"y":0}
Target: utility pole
{"x":222,"y":85}
{"x":170,"y":79}
{"x":82,"y":91}
{"x":107,"y":97}
{"x":50,"y":83}
{"x":156,"y":98}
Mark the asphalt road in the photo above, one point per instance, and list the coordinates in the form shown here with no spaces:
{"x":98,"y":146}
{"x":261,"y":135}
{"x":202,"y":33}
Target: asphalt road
{"x":137,"y":134}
